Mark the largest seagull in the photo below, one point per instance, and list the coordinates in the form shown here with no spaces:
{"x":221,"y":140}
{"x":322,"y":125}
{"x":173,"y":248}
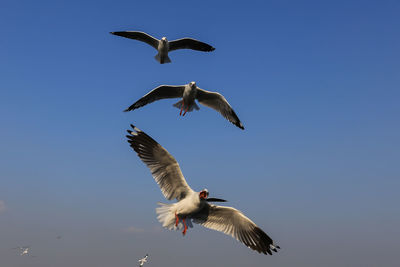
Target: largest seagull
{"x":192,"y":206}
{"x":189,"y":93}
{"x":164,"y":46}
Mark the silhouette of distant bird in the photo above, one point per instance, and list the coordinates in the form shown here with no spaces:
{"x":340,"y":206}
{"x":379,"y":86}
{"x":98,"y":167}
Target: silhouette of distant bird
{"x":142,"y":261}
{"x":23,"y":250}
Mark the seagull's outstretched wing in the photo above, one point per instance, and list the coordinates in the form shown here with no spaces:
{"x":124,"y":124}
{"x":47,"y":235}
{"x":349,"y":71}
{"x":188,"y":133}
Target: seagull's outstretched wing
{"x":189,"y":43}
{"x":163,"y":166}
{"x":161,"y":92}
{"x":140,"y":36}
{"x":218,"y":102}
{"x":234,"y":223}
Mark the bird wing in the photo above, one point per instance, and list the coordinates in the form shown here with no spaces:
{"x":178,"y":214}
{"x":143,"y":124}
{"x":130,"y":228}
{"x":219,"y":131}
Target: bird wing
{"x":140,"y":36}
{"x":218,"y":102}
{"x":189,"y":43}
{"x":161,"y":92}
{"x":234,"y":223}
{"x":164,"y":168}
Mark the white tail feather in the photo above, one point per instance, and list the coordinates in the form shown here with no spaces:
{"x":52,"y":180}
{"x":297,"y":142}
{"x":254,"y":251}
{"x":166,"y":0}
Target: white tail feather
{"x":166,"y":216}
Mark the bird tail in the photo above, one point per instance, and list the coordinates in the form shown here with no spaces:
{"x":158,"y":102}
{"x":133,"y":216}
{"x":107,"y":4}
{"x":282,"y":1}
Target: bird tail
{"x":166,"y":215}
{"x":162,"y":60}
{"x":193,"y":106}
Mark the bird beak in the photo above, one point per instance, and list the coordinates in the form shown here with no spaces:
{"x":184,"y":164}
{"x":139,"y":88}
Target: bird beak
{"x":212,"y":199}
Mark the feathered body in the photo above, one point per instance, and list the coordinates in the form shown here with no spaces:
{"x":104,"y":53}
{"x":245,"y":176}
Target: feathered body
{"x":188,"y":98}
{"x":162,"y":48}
{"x":184,"y":208}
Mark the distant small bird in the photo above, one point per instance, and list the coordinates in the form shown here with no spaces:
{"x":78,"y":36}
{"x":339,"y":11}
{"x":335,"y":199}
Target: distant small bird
{"x":143,"y":260}
{"x":23,"y":250}
{"x":193,"y":206}
{"x":164,"y":46}
{"x":58,"y":237}
{"x":189,"y":93}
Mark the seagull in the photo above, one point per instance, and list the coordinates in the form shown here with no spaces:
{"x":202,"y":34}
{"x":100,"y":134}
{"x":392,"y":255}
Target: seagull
{"x":143,"y":260}
{"x":192,"y":206}
{"x":188,"y":93}
{"x":164,"y":46}
{"x":23,"y":250}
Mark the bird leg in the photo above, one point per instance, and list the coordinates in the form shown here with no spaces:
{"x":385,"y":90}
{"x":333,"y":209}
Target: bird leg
{"x":185,"y":111}
{"x":176,"y":220}
{"x":183,"y":103}
{"x":185,"y":226}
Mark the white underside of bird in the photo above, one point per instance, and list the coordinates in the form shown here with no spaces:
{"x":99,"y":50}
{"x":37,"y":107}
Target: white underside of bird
{"x":177,"y":215}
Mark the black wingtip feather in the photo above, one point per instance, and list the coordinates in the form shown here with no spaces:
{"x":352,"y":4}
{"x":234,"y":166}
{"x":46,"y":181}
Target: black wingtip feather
{"x":131,"y":107}
{"x":266,"y":243}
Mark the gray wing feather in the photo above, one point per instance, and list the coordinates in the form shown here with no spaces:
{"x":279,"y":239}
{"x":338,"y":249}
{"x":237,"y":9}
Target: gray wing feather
{"x":189,"y":43}
{"x":218,"y":102}
{"x":234,"y":223}
{"x":140,"y":36}
{"x":164,"y":168}
{"x":161,"y":92}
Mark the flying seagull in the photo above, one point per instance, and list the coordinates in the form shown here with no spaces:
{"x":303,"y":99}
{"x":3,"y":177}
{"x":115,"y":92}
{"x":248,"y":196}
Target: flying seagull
{"x":189,"y":93}
{"x":142,"y":261}
{"x":164,"y":46}
{"x":23,"y":250}
{"x":193,"y":206}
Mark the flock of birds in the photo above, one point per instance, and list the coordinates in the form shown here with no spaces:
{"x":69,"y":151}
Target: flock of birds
{"x":191,"y":206}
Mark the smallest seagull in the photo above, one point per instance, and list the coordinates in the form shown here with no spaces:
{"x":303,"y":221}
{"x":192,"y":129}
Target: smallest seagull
{"x":164,"y":46}
{"x":142,"y":261}
{"x":23,"y":250}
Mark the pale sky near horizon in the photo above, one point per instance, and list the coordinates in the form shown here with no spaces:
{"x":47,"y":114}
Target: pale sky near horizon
{"x":315,"y":83}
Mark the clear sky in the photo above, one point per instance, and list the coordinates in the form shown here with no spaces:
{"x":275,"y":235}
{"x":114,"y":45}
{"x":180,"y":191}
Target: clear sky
{"x":315,"y":83}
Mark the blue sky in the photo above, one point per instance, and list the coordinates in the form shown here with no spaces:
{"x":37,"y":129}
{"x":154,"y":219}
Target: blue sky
{"x":315,"y":83}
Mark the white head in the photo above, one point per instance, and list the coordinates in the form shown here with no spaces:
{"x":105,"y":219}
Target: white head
{"x":192,"y":84}
{"x":164,"y":39}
